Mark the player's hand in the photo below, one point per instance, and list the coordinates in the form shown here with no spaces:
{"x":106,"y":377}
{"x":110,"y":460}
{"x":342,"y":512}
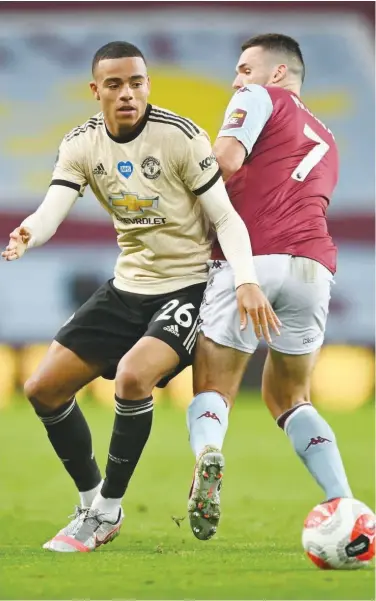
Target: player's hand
{"x":253,"y":302}
{"x":18,"y":240}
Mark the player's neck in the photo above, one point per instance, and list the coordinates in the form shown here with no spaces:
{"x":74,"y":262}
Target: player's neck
{"x":292,"y":86}
{"x":122,"y":133}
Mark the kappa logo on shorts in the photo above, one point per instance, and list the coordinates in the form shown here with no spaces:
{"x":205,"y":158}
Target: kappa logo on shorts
{"x":310,"y":340}
{"x":235,"y":119}
{"x":173,"y":330}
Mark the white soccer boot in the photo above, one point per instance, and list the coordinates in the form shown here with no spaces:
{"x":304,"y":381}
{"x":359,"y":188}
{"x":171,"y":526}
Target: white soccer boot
{"x":204,"y":498}
{"x":89,"y":529}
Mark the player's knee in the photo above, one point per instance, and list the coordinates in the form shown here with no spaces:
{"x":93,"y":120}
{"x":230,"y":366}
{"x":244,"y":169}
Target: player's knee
{"x":41,"y":396}
{"x":131,"y":384}
{"x":31,"y":389}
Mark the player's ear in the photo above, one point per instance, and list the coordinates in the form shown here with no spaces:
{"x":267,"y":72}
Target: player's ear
{"x":279,"y":73}
{"x":94,"y":89}
{"x":148,"y":83}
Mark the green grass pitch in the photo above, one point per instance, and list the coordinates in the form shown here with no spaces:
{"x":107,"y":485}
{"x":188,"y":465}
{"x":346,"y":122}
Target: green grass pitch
{"x":256,"y":554}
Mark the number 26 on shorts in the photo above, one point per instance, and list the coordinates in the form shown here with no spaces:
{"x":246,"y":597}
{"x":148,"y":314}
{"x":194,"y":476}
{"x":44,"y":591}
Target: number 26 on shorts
{"x":182,"y":315}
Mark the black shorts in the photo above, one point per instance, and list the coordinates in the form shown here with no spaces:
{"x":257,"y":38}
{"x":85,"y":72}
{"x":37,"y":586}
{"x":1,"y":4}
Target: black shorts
{"x":110,"y":323}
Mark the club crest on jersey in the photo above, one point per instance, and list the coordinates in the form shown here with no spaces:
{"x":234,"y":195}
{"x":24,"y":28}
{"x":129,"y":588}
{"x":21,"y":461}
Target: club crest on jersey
{"x":235,"y":119}
{"x":125,"y":168}
{"x":151,"y":168}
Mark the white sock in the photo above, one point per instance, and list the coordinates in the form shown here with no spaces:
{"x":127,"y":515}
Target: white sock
{"x":110,"y":506}
{"x":315,"y":443}
{"x":207,"y":421}
{"x":87,"y":497}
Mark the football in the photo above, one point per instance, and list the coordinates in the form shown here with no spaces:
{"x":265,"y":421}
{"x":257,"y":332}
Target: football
{"x":340,"y":535}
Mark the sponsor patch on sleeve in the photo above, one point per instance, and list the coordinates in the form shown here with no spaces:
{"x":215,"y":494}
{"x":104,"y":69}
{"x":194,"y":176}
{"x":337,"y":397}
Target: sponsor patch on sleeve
{"x":235,"y":119}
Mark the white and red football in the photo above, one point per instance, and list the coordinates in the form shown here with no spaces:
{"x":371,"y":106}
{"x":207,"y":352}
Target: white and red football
{"x":340,"y":534}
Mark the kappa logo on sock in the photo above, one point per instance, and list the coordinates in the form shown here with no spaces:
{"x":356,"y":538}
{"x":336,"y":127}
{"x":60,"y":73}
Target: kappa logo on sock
{"x":315,"y":441}
{"x":211,"y":415}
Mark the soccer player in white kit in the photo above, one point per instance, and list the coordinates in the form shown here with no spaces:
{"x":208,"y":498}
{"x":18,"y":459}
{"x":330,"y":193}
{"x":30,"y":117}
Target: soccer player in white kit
{"x":280,"y":164}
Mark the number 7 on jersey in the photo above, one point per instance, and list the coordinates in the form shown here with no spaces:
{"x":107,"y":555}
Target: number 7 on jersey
{"x":313,"y":157}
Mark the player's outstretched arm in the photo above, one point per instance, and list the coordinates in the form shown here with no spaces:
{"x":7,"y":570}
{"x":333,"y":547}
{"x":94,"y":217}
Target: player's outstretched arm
{"x":235,"y":243}
{"x":39,"y":227}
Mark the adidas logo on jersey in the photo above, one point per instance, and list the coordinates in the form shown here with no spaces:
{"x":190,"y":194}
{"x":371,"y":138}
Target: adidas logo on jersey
{"x":173,"y":330}
{"x":99,"y":170}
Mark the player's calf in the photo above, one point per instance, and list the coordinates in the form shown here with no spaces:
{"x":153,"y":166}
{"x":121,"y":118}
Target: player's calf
{"x":286,"y":381}
{"x":138,"y":372}
{"x":70,"y":437}
{"x":51,"y":391}
{"x":132,"y":426}
{"x":315,"y":443}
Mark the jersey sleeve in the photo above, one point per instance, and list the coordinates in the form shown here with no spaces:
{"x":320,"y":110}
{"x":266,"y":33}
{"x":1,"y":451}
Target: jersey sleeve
{"x":247,"y":113}
{"x":69,"y":167}
{"x":195,"y":163}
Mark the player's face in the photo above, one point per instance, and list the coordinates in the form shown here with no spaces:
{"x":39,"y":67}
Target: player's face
{"x":122,"y":86}
{"x":258,"y":66}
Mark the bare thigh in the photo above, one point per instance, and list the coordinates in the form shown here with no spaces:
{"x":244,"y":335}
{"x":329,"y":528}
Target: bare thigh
{"x":286,"y":380}
{"x":58,"y":377}
{"x":143,"y":367}
{"x":219,"y":368}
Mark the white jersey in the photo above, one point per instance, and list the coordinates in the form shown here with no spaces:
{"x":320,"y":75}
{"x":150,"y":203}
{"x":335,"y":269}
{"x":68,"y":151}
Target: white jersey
{"x":149,"y":182}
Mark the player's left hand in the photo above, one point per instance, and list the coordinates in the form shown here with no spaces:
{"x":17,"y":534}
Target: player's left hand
{"x":253,"y":302}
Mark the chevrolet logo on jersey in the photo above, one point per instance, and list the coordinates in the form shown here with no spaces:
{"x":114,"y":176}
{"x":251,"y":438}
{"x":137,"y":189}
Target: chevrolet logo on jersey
{"x":133,"y":203}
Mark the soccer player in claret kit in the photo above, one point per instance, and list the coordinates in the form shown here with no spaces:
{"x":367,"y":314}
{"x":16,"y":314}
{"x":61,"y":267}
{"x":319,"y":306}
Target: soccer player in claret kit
{"x":155,"y":173}
{"x":280,"y":164}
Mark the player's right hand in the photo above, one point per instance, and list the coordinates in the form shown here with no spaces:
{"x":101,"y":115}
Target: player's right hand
{"x":253,"y":302}
{"x":18,"y":241}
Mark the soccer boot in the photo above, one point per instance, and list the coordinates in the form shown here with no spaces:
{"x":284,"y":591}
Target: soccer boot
{"x":89,"y":529}
{"x":204,"y":498}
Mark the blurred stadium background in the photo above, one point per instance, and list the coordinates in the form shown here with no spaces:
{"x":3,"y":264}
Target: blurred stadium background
{"x":45,"y":54}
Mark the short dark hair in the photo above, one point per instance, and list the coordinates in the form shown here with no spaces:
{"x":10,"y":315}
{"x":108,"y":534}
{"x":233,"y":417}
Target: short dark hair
{"x":277,"y":42}
{"x":116,"y":50}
